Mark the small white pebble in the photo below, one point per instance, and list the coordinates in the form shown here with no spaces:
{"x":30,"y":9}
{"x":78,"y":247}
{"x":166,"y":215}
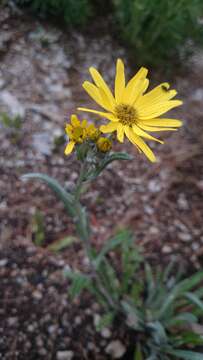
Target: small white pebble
{"x":3,"y":262}
{"x":64,"y":355}
{"x":106,"y":333}
{"x":115,"y":349}
{"x":186,"y":237}
{"x":166,"y":249}
{"x":37,"y":295}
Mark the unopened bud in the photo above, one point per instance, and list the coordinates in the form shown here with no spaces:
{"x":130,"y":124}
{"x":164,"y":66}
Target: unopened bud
{"x":104,"y":144}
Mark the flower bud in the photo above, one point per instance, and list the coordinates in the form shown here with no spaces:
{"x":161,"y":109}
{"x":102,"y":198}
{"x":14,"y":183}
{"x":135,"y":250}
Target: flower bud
{"x":104,"y":144}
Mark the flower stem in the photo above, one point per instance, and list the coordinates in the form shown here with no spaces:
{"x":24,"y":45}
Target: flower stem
{"x":83,"y":230}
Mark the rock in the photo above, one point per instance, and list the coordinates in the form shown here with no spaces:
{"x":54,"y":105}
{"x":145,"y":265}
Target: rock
{"x":2,"y":83}
{"x":166,"y":249}
{"x":106,"y":333}
{"x":154,"y":186}
{"x":11,"y":105}
{"x":52,"y":329}
{"x":97,"y":319}
{"x":115,"y":349}
{"x":42,"y":143}
{"x":186,"y":237}
{"x":153,"y":230}
{"x":64,"y":355}
{"x":195,"y":246}
{"x":12,"y":321}
{"x":182,"y":202}
{"x":37,"y":295}
{"x":3,"y":262}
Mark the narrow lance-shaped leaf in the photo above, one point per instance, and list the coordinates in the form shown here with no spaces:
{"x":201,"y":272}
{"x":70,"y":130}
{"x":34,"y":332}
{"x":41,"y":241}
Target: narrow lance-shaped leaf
{"x":79,"y":283}
{"x":184,"y":317}
{"x":62,"y":243}
{"x":187,"y":355}
{"x":112,"y":244}
{"x":61,"y":193}
{"x":179,"y":289}
{"x":194,"y":300}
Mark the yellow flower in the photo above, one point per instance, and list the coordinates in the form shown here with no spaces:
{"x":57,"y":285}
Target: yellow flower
{"x":92,"y":132}
{"x":130,"y":111}
{"x":104,"y":144}
{"x":78,"y":132}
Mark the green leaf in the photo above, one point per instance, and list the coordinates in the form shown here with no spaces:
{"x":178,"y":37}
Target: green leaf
{"x":132,"y":313}
{"x":182,"y":318}
{"x":62,"y":243}
{"x":111,"y":244}
{"x":109,"y":278}
{"x":79,"y":283}
{"x":138,"y":353}
{"x":180,"y":289}
{"x":168,"y":270}
{"x":149,"y":277}
{"x":186,"y":354}
{"x":159,"y":333}
{"x":105,"y":321}
{"x":38,"y":229}
{"x":194,"y":300}
{"x":61,"y":193}
{"x":105,"y":162}
{"x":188,"y":338}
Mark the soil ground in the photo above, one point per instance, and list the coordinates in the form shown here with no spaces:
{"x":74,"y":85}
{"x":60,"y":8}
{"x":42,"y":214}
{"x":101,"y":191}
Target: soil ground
{"x":41,"y":72}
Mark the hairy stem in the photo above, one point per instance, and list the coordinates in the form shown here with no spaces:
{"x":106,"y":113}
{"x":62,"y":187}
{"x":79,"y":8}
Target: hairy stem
{"x":82,"y":226}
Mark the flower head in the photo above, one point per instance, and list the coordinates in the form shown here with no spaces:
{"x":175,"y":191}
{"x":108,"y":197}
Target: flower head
{"x":104,"y":144}
{"x":130,"y":111}
{"x":79,"y":132}
{"x":93,"y":133}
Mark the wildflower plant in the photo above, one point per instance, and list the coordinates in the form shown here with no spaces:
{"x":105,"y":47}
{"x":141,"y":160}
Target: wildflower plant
{"x":158,"y":306}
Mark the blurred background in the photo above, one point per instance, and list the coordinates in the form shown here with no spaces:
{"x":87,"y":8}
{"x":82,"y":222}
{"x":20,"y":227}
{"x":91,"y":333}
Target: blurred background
{"x":46,"y":48}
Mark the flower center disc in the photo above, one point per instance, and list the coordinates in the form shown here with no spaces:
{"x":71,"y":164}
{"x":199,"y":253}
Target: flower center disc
{"x":126,"y":114}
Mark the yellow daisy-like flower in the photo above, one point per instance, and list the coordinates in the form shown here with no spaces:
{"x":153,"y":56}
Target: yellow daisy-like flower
{"x":78,"y":132}
{"x":132,"y":112}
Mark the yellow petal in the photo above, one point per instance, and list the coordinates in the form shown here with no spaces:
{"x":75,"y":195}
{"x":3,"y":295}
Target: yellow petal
{"x":119,"y":80}
{"x":68,"y":129}
{"x":120,"y":132}
{"x":105,"y":100}
{"x":155,"y":128}
{"x":84,"y":124}
{"x":135,"y":82}
{"x":138,"y":91}
{"x":95,"y":94}
{"x":142,"y":133}
{"x":110,"y":127}
{"x":136,"y":140}
{"x":162,"y":122}
{"x":99,"y":81}
{"x":159,"y":94}
{"x":152,"y":111}
{"x":100,"y":113}
{"x":69,"y":148}
{"x":75,"y":121}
